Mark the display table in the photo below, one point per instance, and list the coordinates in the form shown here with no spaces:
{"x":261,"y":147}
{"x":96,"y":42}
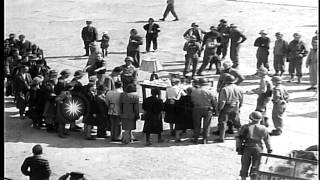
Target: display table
{"x":161,"y":84}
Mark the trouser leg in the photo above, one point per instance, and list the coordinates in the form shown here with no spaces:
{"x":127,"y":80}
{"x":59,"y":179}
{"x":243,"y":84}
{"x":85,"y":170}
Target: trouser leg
{"x":277,"y":115}
{"x":147,"y":137}
{"x":173,"y":12}
{"x":206,"y":123}
{"x":196,"y":122}
{"x":259,"y":60}
{"x":86,"y":47}
{"x":291,"y":67}
{"x":255,"y":160}
{"x":204,"y":64}
{"x":298,"y":67}
{"x":165,"y":14}
{"x":224,"y":49}
{"x":148,"y":42}
{"x":245,"y":162}
{"x":234,"y":55}
{"x":187,"y":64}
{"x":194,"y":65}
{"x":155,"y":43}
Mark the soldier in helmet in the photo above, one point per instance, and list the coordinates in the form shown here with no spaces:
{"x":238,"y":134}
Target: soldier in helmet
{"x":280,"y":98}
{"x":227,"y":69}
{"x":73,"y":176}
{"x":251,"y":136}
{"x":204,"y":101}
{"x":192,"y":47}
{"x":89,"y":34}
{"x":224,"y":31}
{"x":262,"y":43}
{"x":229,"y":104}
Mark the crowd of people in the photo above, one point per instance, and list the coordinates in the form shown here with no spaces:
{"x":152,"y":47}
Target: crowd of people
{"x":113,"y":98}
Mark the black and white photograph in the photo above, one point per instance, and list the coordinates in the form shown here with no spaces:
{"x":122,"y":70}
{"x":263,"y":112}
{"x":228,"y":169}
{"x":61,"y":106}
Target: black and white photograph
{"x":161,"y":89}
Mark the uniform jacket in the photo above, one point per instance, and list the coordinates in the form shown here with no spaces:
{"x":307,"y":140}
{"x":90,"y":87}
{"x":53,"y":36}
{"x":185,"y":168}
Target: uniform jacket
{"x":155,"y":30}
{"x":280,"y":47}
{"x":39,"y":168}
{"x":262,"y":43}
{"x":134,"y":46}
{"x":233,"y":72}
{"x":196,"y":32}
{"x":89,"y":34}
{"x":129,"y":72}
{"x":192,"y":48}
{"x":225,"y":33}
{"x":204,"y":98}
{"x":297,"y":50}
{"x":230,"y":95}
{"x":255,"y":134}
{"x":106,"y":81}
{"x":236,"y":35}
{"x":280,"y":95}
{"x":212,"y":34}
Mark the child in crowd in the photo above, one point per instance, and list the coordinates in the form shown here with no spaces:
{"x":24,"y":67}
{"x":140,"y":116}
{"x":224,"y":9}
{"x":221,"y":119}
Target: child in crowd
{"x":104,"y":43}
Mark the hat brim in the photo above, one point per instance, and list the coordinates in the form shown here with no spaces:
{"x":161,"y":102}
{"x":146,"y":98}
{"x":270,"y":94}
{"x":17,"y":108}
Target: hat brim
{"x":253,"y":119}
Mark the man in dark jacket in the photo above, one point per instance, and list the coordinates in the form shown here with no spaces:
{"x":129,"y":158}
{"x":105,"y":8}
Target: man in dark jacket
{"x":235,"y":36}
{"x":263,"y":50}
{"x":36,"y":167}
{"x":133,"y":49}
{"x":296,"y":52}
{"x":89,"y":34}
{"x":152,"y":34}
{"x":224,"y":31}
{"x":23,"y":45}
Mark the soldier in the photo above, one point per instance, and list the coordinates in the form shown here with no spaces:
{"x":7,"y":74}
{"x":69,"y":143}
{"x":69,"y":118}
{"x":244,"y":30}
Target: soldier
{"x":312,"y":63}
{"x":36,"y":166}
{"x":224,"y":31}
{"x":251,"y":135}
{"x":192,"y":48}
{"x":194,"y":31}
{"x":133,"y":49}
{"x":279,"y":54}
{"x":296,"y":52}
{"x":211,"y":41}
{"x":263,"y":50}
{"x":129,"y":72}
{"x":264,"y":94}
{"x":229,"y":104}
{"x":89,"y":34}
{"x":204,"y":104}
{"x":152,"y":34}
{"x":235,"y":36}
{"x":170,"y":8}
{"x":210,"y":56}
{"x":227,"y":69}
{"x":280,"y":98}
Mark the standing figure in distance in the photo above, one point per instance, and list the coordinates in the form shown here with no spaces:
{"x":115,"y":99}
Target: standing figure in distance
{"x":280,"y":98}
{"x":129,"y":73}
{"x":192,"y":48}
{"x":104,"y":44}
{"x":38,"y":166}
{"x":312,"y":63}
{"x":224,"y":31}
{"x":252,"y":134}
{"x":169,"y":8}
{"x":133,"y":49}
{"x":235,"y":36}
{"x":152,"y":34}
{"x":296,"y":52}
{"x":263,"y":50}
{"x":279,"y":54}
{"x":89,"y":34}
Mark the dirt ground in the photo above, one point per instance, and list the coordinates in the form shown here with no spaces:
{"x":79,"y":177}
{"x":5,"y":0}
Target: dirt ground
{"x":56,"y":25}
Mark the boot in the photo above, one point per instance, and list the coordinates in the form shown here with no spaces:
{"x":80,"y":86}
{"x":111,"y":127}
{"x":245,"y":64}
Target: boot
{"x":61,"y":131}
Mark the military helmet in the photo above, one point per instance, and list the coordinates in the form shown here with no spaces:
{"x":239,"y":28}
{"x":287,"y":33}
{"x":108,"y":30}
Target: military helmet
{"x":276,"y":79}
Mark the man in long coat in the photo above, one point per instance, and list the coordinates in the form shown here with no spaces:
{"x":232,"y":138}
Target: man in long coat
{"x":89,"y":34}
